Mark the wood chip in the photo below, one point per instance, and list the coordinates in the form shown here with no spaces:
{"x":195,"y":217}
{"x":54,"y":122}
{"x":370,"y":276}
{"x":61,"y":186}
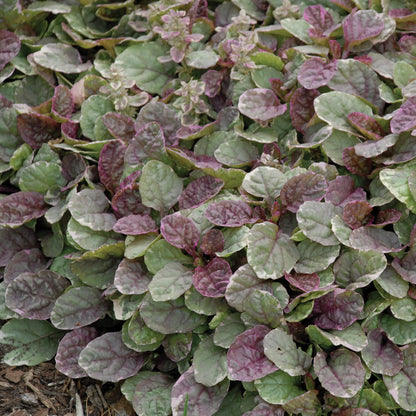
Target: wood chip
{"x":15,"y":376}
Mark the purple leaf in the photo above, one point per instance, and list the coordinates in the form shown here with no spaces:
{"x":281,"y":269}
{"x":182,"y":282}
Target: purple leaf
{"x":190,"y":159}
{"x":266,"y":409}
{"x":342,"y":374}
{"x":319,"y":18}
{"x":357,"y":213}
{"x":301,"y":107}
{"x":212,"y":280}
{"x":30,"y":260}
{"x":106,"y":358}
{"x":212,"y":81}
{"x":21,"y":207}
{"x":71,"y":345}
{"x":195,"y":131}
{"x":406,"y":267}
{"x":212,"y":242}
{"x":149,"y":141}
{"x":199,"y":191}
{"x":177,"y":346}
{"x":405,"y":117}
{"x":14,"y":240}
{"x":342,"y":190}
{"x":180,"y":231}
{"x":230,"y":213}
{"x":338,"y":309}
{"x":377,"y":239}
{"x":407,"y":44}
{"x":70,"y":129}
{"x":405,"y":19}
{"x":201,"y":400}
{"x":74,"y":169}
{"x":361,"y":26}
{"x":307,"y":186}
{"x":355,"y":163}
{"x":260,"y":104}
{"x":111,"y":164}
{"x":33,"y":295}
{"x":62,"y":103}
{"x":388,"y":216}
{"x":9,"y":47}
{"x":366,"y":125}
{"x":79,"y":306}
{"x":381,"y":355}
{"x":119,"y":125}
{"x":135,"y":225}
{"x":304,"y":282}
{"x":245,"y":357}
{"x":315,"y":73}
{"x":36,"y":129}
{"x":355,"y":411}
{"x":131,"y":278}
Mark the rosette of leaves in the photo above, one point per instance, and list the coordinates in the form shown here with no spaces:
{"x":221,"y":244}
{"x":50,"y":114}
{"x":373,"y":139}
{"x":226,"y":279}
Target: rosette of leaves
{"x":213,"y":204}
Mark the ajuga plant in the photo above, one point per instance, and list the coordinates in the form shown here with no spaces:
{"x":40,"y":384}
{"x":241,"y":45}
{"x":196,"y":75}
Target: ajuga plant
{"x":213,"y":203}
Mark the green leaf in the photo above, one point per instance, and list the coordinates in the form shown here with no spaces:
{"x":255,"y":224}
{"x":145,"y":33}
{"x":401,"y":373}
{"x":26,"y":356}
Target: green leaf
{"x":236,"y":153}
{"x":404,"y":309}
{"x":333,"y":107}
{"x":210,"y":363}
{"x":140,"y":63}
{"x":392,"y":283}
{"x":160,"y":187}
{"x":403,"y":73}
{"x":145,"y":338}
{"x":228,"y":329}
{"x":353,"y":337}
{"x":264,"y":308}
{"x":41,"y":177}
{"x":298,"y":28}
{"x":315,"y":257}
{"x":335,"y":144}
{"x":396,"y":181}
{"x":280,"y":348}
{"x":33,"y":341}
{"x":204,"y":305}
{"x":267,"y":59}
{"x":399,"y":331}
{"x":137,"y":246}
{"x":269,"y":252}
{"x":170,"y":282}
{"x":278,"y":387}
{"x":235,"y":240}
{"x":314,"y":220}
{"x":402,"y":386}
{"x":203,"y":59}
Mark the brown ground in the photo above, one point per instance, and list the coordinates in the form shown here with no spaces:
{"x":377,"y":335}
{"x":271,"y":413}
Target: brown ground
{"x":43,"y":391}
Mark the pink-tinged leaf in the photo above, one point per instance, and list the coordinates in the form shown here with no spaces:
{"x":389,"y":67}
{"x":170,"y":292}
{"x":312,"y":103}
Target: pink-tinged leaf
{"x":71,"y":345}
{"x":230,"y":213}
{"x":33,"y":295}
{"x":212,"y":242}
{"x":212,"y":280}
{"x":245,"y":357}
{"x":14,"y":240}
{"x":18,"y":208}
{"x":356,"y":164}
{"x":407,"y":44}
{"x":318,"y":17}
{"x":177,"y":346}
{"x":212,"y":81}
{"x":127,"y":199}
{"x":9,"y":47}
{"x":307,"y":186}
{"x":377,"y":239}
{"x":304,"y":282}
{"x":357,"y":213}
{"x":266,"y":409}
{"x":388,"y":216}
{"x":342,"y":374}
{"x":381,"y":355}
{"x":30,"y":260}
{"x":315,"y":73}
{"x":147,"y":142}
{"x":361,"y":26}
{"x":180,"y":231}
{"x":260,"y":104}
{"x":355,"y":411}
{"x":405,"y":117}
{"x":342,"y":190}
{"x":191,"y":160}
{"x":70,"y":129}
{"x":301,"y":107}
{"x":366,"y":125}
{"x":198,"y":399}
{"x":74,"y":169}
{"x":111,"y":164}
{"x":405,"y":19}
{"x":406,"y":267}
{"x":106,"y":358}
{"x":62,"y":103}
{"x":338,"y":309}
{"x":199,"y":191}
{"x":36,"y":129}
{"x":131,"y":278}
{"x":119,"y":125}
{"x":347,"y":5}
{"x":135,"y":225}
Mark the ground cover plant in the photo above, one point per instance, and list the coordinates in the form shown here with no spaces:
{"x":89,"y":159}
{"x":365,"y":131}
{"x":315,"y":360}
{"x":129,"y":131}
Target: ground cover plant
{"x":213,"y":203}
